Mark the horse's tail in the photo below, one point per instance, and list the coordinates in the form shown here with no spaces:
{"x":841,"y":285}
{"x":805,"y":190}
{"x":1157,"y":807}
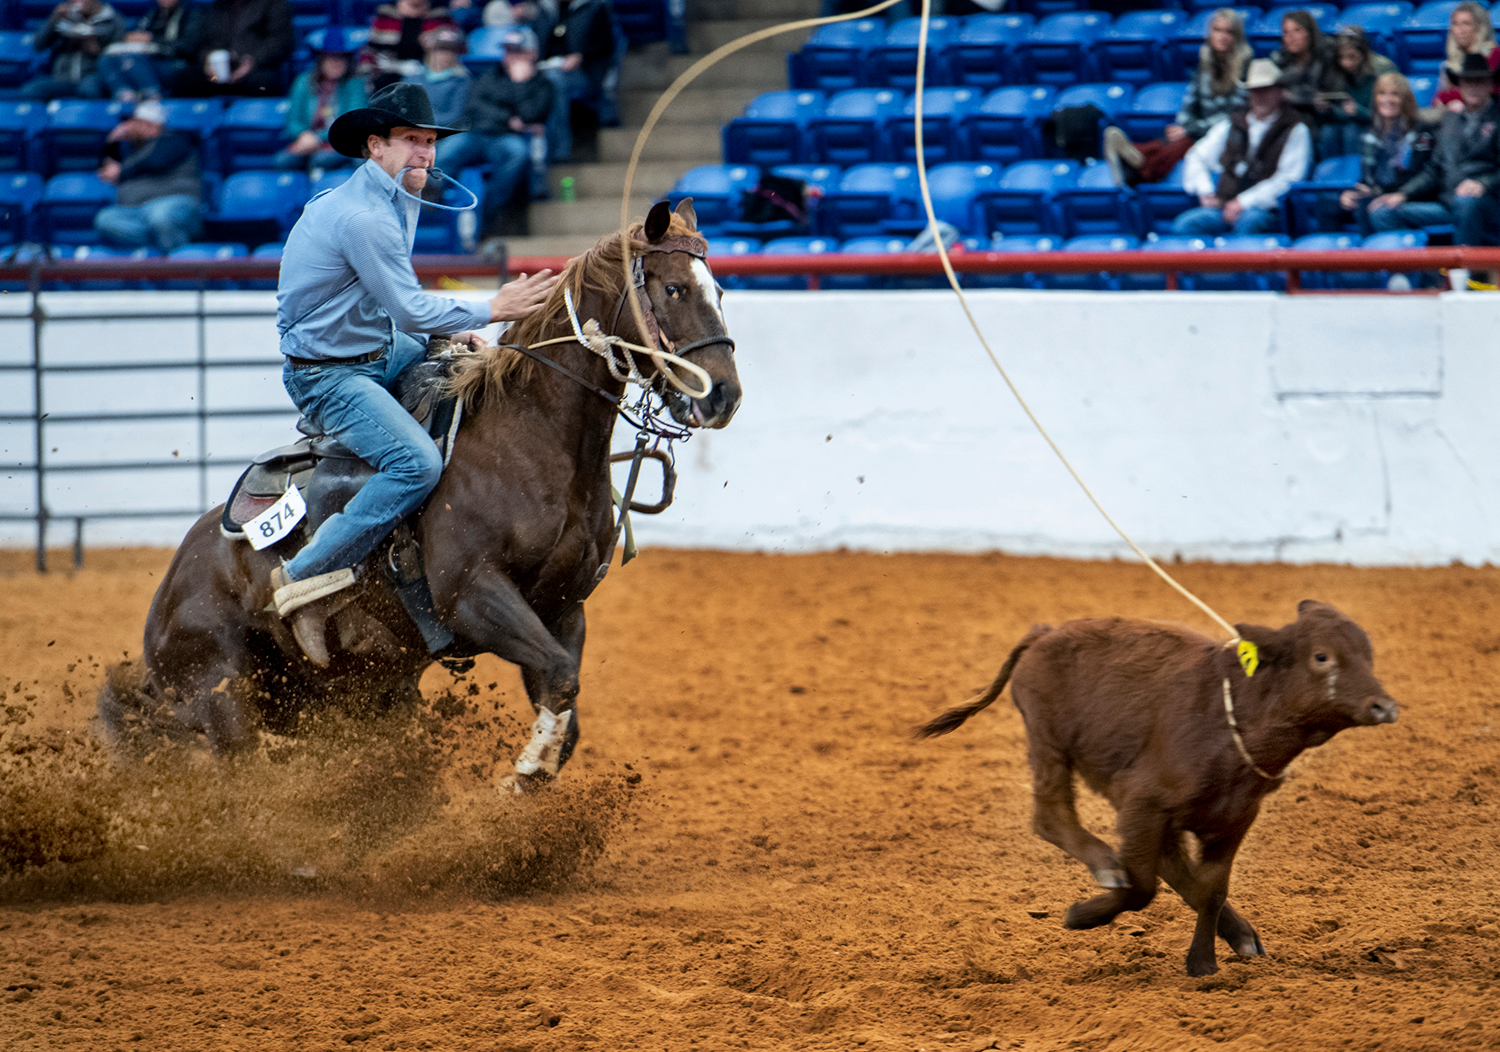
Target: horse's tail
{"x":953,"y":718}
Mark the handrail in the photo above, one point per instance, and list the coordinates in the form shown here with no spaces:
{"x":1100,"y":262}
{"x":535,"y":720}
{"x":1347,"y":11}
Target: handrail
{"x":1207,"y":261}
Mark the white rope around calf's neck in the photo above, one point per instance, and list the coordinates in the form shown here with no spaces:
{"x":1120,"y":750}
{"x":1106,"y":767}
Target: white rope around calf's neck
{"x":590,"y":335}
{"x":1239,"y":743}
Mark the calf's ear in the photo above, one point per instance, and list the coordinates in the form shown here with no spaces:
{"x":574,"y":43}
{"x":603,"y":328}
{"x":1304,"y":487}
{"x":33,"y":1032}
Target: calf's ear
{"x":1274,"y":644}
{"x":1308,"y":606}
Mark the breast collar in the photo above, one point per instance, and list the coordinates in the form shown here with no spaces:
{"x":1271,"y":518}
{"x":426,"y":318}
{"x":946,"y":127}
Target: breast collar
{"x":693,"y":246}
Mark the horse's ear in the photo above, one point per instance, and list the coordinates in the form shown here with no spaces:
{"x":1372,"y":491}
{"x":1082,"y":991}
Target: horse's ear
{"x":657,"y":221}
{"x":687,"y":213}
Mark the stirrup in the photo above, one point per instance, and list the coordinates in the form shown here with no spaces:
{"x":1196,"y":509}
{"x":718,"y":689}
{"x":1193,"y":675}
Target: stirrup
{"x":290,"y":596}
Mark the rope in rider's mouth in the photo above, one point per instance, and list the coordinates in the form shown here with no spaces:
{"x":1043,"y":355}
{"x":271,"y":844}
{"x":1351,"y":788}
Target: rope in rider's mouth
{"x":724,"y":51}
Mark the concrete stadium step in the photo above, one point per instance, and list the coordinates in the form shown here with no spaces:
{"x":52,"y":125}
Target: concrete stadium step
{"x":765,"y":71}
{"x":552,"y":244}
{"x":683,"y":143}
{"x":703,"y":37}
{"x":595,"y":217}
{"x":716,"y":106}
{"x":652,"y":178}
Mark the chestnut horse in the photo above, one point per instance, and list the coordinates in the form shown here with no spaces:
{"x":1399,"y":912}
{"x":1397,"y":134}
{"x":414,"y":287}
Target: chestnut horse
{"x":514,"y":535}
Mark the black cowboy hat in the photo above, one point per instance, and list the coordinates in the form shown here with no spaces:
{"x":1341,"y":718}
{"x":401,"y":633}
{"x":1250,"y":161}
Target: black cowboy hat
{"x":1475,"y":67}
{"x":394,"y":106}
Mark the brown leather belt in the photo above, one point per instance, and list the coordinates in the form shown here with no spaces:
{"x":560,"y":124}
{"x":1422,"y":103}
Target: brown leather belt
{"x":307,"y":363}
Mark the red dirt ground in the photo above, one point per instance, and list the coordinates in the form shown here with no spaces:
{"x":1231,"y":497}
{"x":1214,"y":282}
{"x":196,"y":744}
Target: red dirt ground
{"x":795,"y":872}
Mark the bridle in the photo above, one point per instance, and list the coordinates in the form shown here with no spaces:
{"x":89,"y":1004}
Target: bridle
{"x":687,"y":244}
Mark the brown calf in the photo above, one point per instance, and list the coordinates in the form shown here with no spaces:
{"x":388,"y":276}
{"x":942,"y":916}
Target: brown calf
{"x":1137,"y":709}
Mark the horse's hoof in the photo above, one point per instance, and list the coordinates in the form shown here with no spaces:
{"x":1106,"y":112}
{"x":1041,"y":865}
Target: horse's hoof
{"x":1248,"y":945}
{"x":516,"y":784}
{"x":1111,"y":878}
{"x":1198,"y":969}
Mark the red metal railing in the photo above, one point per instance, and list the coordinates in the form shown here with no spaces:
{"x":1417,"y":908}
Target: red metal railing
{"x":431,"y":268}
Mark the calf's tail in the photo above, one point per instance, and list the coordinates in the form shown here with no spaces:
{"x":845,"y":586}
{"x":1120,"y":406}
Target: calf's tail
{"x":953,"y":718}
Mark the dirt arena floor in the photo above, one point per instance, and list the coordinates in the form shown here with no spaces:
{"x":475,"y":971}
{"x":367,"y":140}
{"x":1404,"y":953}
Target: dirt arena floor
{"x":789,"y":870}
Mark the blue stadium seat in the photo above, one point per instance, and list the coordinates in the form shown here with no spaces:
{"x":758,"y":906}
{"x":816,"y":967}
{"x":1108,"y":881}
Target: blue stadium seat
{"x":1004,"y":127}
{"x":818,"y":179}
{"x":327,"y":178}
{"x":642,"y":21}
{"x":1058,"y":50}
{"x":1016,"y":243}
{"x":18,"y":60}
{"x":1022,"y":201}
{"x":1244,"y":280}
{"x":101,"y":253}
{"x":1162,"y":202}
{"x":268,"y":251}
{"x":983,"y":53}
{"x":852,"y":128}
{"x":1111,"y":99}
{"x":867,"y":197}
{"x":1424,"y":88}
{"x":1265,"y":33}
{"x":200,"y":118}
{"x":65,"y":214}
{"x":444,"y":233}
{"x":1044,"y":8}
{"x":865,"y":246}
{"x":1394,"y":239}
{"x":250,"y":133}
{"x":837,"y":57}
{"x":1154,"y":107}
{"x":1312,"y":206}
{"x":206,"y":252}
{"x":794,"y":246}
{"x":258,"y":206}
{"x":1095,"y":205}
{"x":955,"y":190}
{"x":1134,"y":49}
{"x":1158,"y":282}
{"x":1318,"y":279}
{"x":21,"y":125}
{"x":715,"y":190}
{"x":1183,"y":47}
{"x":1101,"y":280}
{"x":1380,"y":22}
{"x":19,"y":193}
{"x":1424,"y":38}
{"x":731,"y":246}
{"x":896,"y":57}
{"x":943,"y":110}
{"x":773,"y":129}
{"x":484,"y":47}
{"x":75,"y":132}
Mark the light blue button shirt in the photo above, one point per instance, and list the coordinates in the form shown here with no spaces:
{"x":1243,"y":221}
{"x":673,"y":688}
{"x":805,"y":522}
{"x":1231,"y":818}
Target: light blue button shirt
{"x":346,"y":274}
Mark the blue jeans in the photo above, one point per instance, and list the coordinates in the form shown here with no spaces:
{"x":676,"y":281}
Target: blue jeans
{"x":146,"y":75}
{"x":508,"y":157}
{"x":1473,"y":218}
{"x":44,"y":89}
{"x":569,"y":84}
{"x":353,"y":404}
{"x":163,"y":224}
{"x":1209,"y":222}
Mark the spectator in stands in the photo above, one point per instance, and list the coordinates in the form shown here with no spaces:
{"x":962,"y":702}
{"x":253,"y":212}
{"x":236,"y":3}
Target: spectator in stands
{"x":1463,"y":173}
{"x":1348,"y":119}
{"x":578,"y":54}
{"x":77,"y":32}
{"x":1214,"y":92}
{"x":320,"y":95}
{"x":158,"y":179}
{"x":395,"y":48}
{"x":1396,"y":147}
{"x":443,"y":75}
{"x":1244,"y":166}
{"x":157,"y":57}
{"x":1470,"y":32}
{"x":507,"y":109}
{"x":1309,"y":68}
{"x":244,"y":45}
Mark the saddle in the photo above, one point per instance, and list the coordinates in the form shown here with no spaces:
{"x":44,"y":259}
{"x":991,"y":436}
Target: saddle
{"x":328,"y":475}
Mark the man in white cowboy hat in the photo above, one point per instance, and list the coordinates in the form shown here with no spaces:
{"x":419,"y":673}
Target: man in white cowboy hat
{"x":1244,"y":166}
{"x":346,"y":301}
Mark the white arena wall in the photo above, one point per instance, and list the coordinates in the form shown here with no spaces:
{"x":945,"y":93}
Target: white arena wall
{"x":1240,"y":426}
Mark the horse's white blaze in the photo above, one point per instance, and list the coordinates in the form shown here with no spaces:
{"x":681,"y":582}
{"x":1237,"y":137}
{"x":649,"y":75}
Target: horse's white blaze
{"x":544,"y":751}
{"x":708,"y":288}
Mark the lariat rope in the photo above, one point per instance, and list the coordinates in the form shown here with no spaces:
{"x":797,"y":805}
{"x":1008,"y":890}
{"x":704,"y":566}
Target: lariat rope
{"x":724,"y":51}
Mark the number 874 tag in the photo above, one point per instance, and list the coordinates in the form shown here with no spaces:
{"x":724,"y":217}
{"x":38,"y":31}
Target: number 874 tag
{"x":276,"y":521}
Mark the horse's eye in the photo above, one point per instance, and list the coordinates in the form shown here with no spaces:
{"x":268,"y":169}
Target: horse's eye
{"x":674,"y":291}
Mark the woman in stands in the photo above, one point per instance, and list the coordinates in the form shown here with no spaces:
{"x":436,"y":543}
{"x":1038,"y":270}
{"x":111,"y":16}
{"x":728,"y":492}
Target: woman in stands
{"x":1345,"y":125}
{"x":319,"y":96}
{"x":1470,"y":32}
{"x":1215,"y":90}
{"x":1396,"y":146}
{"x":1310,"y":73}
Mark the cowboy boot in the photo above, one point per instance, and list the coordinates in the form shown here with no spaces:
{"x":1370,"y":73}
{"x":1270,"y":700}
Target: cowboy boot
{"x":300,"y":601}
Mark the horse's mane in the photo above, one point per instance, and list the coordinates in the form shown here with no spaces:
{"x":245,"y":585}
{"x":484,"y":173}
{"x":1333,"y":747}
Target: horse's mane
{"x":599,"y":269}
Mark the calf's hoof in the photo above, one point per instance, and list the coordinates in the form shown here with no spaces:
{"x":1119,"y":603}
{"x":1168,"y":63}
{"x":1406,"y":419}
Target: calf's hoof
{"x":517,"y":784}
{"x":1110,"y":877}
{"x":1247,"y":945}
{"x":1198,"y":967}
{"x":1090,"y":913}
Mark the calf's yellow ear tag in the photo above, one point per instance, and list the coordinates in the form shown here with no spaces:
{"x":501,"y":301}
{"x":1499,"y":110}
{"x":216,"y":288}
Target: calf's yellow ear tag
{"x":1249,"y":657}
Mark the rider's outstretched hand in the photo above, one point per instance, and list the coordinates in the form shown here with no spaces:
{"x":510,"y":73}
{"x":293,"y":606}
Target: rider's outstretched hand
{"x":518,"y":298}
